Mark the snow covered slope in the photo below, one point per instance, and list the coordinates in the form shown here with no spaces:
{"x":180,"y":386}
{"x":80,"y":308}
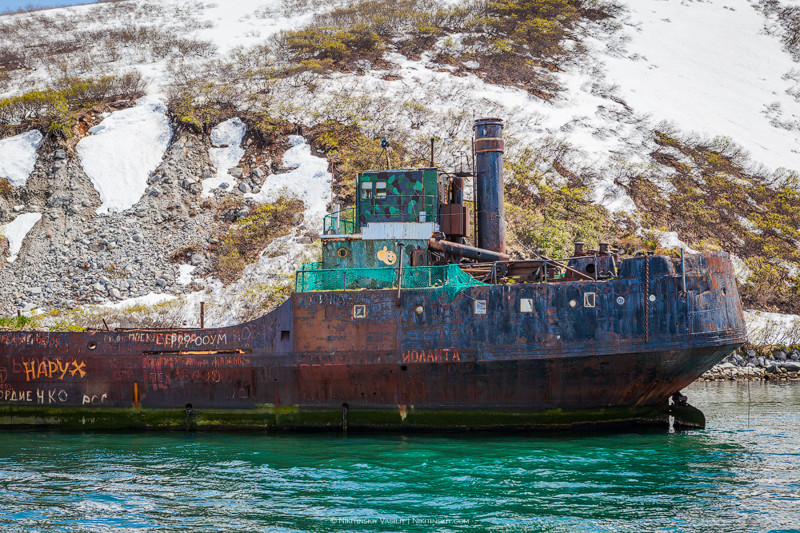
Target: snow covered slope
{"x":226,"y":152}
{"x":122,"y":150}
{"x":16,"y":231}
{"x":308,"y":180}
{"x":18,"y":156}
{"x":710,"y":68}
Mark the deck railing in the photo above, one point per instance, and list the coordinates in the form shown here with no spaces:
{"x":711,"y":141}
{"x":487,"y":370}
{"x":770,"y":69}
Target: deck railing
{"x":342,"y":222}
{"x":447,"y":277}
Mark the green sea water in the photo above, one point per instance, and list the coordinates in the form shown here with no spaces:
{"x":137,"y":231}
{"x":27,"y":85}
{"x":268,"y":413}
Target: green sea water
{"x":740,"y":474}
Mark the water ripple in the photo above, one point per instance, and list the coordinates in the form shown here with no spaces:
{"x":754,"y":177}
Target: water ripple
{"x":726,"y":478}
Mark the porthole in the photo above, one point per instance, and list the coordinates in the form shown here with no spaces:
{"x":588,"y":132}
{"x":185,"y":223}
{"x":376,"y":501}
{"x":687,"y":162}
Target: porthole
{"x":92,"y":345}
{"x":620,"y":300}
{"x":419,"y":309}
{"x":590,"y":268}
{"x":573,"y":303}
{"x":342,"y":252}
{"x":652,"y":298}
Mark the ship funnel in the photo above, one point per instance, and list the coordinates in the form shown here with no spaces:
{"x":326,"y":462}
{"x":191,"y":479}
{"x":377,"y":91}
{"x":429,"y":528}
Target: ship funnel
{"x":489,"y":186}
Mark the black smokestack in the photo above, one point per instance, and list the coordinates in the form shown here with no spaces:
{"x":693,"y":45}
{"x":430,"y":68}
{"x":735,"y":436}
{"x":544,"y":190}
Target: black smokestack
{"x":489,"y":193}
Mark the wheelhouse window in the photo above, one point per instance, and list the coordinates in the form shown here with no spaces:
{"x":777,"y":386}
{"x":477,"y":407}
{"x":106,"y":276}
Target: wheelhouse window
{"x":380,"y":189}
{"x":366,"y":190}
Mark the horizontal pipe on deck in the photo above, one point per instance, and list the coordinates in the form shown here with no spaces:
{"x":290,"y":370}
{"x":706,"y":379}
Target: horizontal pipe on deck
{"x":470,"y":252}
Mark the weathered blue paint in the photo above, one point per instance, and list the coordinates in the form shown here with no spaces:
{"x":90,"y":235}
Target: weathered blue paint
{"x":489,"y":194}
{"x":426,"y":356}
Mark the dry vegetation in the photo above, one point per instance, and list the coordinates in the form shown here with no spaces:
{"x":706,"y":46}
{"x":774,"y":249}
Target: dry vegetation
{"x":713,"y":201}
{"x":57,"y":109}
{"x":786,"y":19}
{"x":246,"y":238}
{"x":546,"y":218}
{"x":517,"y":43}
{"x":6,"y":189}
{"x":165,"y":314}
{"x":112,"y":34}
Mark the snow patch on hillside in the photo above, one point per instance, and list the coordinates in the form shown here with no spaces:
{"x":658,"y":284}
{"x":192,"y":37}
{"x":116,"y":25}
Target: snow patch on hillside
{"x":226,"y":139}
{"x":772,"y":328}
{"x":248,"y":23}
{"x":309,"y":181}
{"x":147,"y":300}
{"x":185,"y":274}
{"x":579,"y":127}
{"x":710,"y":68}
{"x":16,"y":231}
{"x":668,"y":240}
{"x":18,"y":156}
{"x":741,"y":270}
{"x":138,"y":308}
{"x":123,"y":150}
{"x":613,"y":197}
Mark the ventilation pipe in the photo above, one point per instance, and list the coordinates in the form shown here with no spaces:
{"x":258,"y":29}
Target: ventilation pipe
{"x":489,"y":194}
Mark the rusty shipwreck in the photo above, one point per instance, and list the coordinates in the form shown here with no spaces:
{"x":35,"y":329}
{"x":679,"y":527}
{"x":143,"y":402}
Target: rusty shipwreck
{"x":403,"y":326}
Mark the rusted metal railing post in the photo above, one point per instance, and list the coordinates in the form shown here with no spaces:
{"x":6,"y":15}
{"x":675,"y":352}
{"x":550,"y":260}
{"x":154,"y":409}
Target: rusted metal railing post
{"x":202,"y":315}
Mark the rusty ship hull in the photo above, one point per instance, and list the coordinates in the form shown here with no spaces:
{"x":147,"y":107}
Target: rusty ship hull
{"x":397,"y":360}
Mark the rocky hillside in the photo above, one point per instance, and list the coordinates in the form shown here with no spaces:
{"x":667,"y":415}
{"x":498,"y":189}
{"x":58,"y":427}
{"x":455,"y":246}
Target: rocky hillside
{"x":155,"y":154}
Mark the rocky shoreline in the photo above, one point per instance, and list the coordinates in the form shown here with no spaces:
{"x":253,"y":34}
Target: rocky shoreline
{"x":748,"y":365}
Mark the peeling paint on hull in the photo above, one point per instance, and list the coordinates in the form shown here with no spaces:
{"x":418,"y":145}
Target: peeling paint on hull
{"x":357,"y":360}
